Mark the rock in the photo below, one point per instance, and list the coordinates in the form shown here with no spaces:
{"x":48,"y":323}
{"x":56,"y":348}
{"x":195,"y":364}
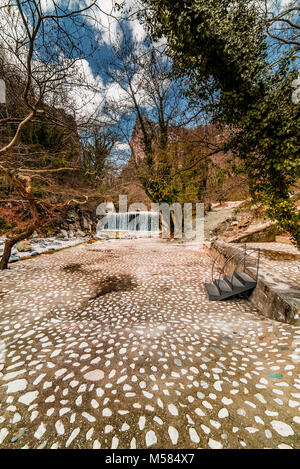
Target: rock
{"x":81,"y":234}
{"x":64,"y":233}
{"x":41,"y":242}
{"x":76,"y":226}
{"x":72,"y":217}
{"x":35,"y":253}
{"x":283,"y":240}
{"x":280,"y":254}
{"x":17,"y":436}
{"x":16,"y":385}
{"x":86,"y":224}
{"x":94,"y":375}
{"x":50,"y":232}
{"x":101,"y":236}
{"x":71,"y":234}
{"x":24,"y":246}
{"x":13,"y":259}
{"x":260,"y":233}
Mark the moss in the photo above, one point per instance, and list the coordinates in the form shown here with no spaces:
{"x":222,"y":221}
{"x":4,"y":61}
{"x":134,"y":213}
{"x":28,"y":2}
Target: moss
{"x":6,"y":225}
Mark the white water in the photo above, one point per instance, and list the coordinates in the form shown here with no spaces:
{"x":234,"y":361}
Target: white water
{"x":131,"y":221}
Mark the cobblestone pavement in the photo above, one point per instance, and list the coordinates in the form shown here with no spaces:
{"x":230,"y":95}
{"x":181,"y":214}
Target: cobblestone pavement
{"x":115,"y":345}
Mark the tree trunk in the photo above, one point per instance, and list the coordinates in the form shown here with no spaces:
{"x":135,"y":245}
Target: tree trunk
{"x":9,"y":244}
{"x":24,"y":187}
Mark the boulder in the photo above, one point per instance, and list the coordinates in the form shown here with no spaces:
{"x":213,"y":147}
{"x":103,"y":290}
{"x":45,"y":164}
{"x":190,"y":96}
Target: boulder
{"x":41,"y":242}
{"x":35,"y":253}
{"x":86,"y":224}
{"x":72,"y":217}
{"x":13,"y":259}
{"x":101,"y":236}
{"x":63,"y":234}
{"x":81,"y":234}
{"x":263,"y":233}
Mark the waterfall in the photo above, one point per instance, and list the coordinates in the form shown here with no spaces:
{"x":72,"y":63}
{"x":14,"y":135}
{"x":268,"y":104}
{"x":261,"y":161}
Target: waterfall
{"x":147,"y":222}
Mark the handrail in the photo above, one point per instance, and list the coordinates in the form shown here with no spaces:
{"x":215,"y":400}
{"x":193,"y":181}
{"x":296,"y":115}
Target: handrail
{"x":213,"y":266}
{"x":230,"y":258}
{"x":243,"y":259}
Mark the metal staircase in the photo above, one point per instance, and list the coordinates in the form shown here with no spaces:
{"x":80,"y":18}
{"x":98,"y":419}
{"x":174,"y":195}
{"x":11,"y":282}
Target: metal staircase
{"x":229,"y":286}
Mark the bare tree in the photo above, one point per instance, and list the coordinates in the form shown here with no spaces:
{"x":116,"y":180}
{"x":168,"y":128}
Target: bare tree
{"x":282,"y":21}
{"x":41,"y":47}
{"x":142,"y":85}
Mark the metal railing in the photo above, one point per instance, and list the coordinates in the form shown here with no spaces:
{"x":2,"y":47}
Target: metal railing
{"x":230,"y":258}
{"x":236,"y":252}
{"x":244,"y":260}
{"x":233,"y":254}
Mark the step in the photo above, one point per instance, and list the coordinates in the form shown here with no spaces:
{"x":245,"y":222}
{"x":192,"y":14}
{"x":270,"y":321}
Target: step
{"x":223,"y":286}
{"x":214,"y":295}
{"x":212,"y":291}
{"x":276,"y":296}
{"x":233,"y":281}
{"x":245,"y":278}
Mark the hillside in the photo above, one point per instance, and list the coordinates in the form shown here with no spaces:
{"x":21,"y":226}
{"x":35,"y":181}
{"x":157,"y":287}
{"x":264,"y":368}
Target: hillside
{"x":217,"y":176}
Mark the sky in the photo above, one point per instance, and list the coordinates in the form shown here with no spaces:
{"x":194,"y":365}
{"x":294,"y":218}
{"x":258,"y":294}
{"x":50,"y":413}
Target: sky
{"x":99,"y":31}
{"x":102,"y":30}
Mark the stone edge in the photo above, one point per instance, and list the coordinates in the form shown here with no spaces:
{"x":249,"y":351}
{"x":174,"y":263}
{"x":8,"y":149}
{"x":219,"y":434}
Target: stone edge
{"x":273,"y":302}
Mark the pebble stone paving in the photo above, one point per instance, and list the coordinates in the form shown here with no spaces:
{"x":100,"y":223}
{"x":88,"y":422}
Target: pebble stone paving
{"x":115,"y":345}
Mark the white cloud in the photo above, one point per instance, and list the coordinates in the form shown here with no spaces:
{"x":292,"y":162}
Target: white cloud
{"x":47,"y":5}
{"x":122,"y":146}
{"x":85,"y":91}
{"x":115,"y":93}
{"x":138,"y":30}
{"x":87,"y":98}
{"x":107,"y":20}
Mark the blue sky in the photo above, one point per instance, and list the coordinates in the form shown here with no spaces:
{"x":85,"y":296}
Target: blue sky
{"x":96,"y":34}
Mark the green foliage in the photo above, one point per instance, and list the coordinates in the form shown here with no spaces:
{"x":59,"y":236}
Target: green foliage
{"x":218,"y":40}
{"x":96,"y":150}
{"x":268,"y":144}
{"x":168,"y":178}
{"x":220,"y":45}
{"x":39,"y":133}
{"x":5,"y":225}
